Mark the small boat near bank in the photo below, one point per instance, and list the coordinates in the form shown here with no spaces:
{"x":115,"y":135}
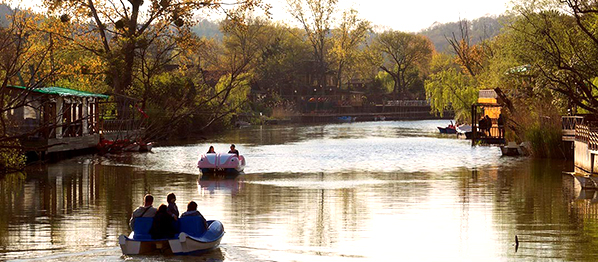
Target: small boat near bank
{"x":450,"y":129}
{"x":216,"y":162}
{"x":193,"y":238}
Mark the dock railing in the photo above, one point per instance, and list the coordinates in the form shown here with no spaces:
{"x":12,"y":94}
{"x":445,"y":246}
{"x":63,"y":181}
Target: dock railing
{"x":568,"y":125}
{"x":587,"y":134}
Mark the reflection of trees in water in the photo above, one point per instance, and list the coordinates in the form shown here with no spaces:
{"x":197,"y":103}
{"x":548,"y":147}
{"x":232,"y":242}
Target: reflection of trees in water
{"x":305,"y":210}
{"x":530,"y":201}
{"x":10,"y":188}
{"x":64,"y":207}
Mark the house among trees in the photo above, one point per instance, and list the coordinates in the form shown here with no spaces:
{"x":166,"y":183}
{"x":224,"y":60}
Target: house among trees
{"x":485,"y":116}
{"x":53,"y":119}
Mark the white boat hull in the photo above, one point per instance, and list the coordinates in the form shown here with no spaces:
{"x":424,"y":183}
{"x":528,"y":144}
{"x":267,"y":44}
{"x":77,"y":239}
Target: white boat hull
{"x":187,"y":244}
{"x":137,"y":247}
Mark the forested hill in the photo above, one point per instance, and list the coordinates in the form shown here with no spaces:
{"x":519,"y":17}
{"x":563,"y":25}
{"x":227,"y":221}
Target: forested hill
{"x":207,"y":29}
{"x":479,"y":29}
{"x":4,"y":11}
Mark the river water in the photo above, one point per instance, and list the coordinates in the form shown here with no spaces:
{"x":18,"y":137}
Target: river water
{"x":372,"y":191}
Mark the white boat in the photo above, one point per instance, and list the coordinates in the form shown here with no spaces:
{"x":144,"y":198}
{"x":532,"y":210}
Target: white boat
{"x":140,"y":241}
{"x":212,"y":162}
{"x":194,"y":238}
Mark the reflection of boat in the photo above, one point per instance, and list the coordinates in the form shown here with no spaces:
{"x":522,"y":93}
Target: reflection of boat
{"x":222,"y":182}
{"x":210,"y":163}
{"x":140,"y":241}
{"x":195,"y":238}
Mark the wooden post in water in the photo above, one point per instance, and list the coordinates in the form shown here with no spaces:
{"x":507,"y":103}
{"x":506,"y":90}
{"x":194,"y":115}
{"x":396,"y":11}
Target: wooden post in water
{"x":474,"y":128}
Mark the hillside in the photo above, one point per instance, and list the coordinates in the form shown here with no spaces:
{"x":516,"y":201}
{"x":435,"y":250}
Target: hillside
{"x":479,"y":29}
{"x":207,"y":29}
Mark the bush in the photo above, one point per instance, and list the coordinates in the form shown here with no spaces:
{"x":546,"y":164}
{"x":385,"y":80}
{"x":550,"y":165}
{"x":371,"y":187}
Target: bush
{"x":545,"y":141}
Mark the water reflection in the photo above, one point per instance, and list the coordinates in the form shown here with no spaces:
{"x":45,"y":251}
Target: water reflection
{"x":466,"y":207}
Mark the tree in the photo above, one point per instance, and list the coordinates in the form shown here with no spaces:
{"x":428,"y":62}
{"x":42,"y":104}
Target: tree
{"x":26,"y":53}
{"x":120,"y":28}
{"x":449,"y":89}
{"x":347,"y":38}
{"x":315,"y":16}
{"x":404,"y":56}
{"x":560,"y":43}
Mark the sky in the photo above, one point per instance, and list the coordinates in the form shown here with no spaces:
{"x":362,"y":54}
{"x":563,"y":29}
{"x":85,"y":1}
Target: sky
{"x":411,"y":15}
{"x":402,"y":15}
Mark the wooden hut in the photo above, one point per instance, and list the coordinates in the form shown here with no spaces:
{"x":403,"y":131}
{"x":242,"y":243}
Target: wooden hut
{"x":487,"y":132}
{"x":53,"y":119}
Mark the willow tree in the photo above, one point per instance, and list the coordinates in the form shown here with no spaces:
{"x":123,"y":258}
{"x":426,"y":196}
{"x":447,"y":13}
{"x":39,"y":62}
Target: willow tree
{"x":403,"y":56}
{"x":449,"y":88}
{"x":116,"y":30}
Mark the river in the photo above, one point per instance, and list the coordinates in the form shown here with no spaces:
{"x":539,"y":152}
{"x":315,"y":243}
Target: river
{"x":368,"y":191}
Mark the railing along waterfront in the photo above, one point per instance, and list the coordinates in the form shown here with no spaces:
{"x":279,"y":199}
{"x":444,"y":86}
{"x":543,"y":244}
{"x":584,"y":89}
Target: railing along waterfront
{"x":587,"y":134}
{"x":569,"y":122}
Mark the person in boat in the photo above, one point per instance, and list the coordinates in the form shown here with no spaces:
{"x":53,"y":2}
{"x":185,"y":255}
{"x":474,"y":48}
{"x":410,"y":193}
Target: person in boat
{"x":192,"y":211}
{"x":233,"y":150}
{"x":211,"y":150}
{"x":163,"y":225}
{"x":173,"y":210}
{"x":147,"y":210}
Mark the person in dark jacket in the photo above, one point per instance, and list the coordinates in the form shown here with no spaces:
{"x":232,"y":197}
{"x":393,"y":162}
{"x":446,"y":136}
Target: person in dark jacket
{"x":211,"y":150}
{"x":147,"y":210}
{"x":233,"y":150}
{"x":173,"y":210}
{"x":192,"y":211}
{"x":163,"y":226}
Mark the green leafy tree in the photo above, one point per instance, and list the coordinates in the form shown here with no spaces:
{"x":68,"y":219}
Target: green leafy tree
{"x":346,"y":41}
{"x":316,"y":17}
{"x":403,"y":56}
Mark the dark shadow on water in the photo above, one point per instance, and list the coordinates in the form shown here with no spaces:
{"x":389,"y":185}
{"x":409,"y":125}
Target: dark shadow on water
{"x":214,"y":255}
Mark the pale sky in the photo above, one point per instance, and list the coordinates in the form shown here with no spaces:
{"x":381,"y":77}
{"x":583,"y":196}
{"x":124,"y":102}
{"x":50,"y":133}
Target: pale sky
{"x":411,"y":15}
{"x":402,"y":15}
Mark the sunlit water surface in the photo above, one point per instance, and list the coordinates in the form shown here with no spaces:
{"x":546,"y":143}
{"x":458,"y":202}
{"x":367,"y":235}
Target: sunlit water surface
{"x":373,"y":191}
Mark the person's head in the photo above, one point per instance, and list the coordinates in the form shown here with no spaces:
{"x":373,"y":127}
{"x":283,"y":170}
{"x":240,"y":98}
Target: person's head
{"x":232,"y":147}
{"x":170,"y":198}
{"x":148,"y":200}
{"x":192,"y":206}
{"x":162,"y":208}
{"x":211,"y":150}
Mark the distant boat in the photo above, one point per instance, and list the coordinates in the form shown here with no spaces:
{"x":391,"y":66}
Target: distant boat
{"x":450,"y":129}
{"x":346,"y":119}
{"x":209,"y":163}
{"x":145,"y":147}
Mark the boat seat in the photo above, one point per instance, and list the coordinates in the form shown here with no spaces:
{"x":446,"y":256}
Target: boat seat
{"x":142,"y":227}
{"x":192,"y":225}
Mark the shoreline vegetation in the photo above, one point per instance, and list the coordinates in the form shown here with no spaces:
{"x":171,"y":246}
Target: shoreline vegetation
{"x":151,"y":61}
